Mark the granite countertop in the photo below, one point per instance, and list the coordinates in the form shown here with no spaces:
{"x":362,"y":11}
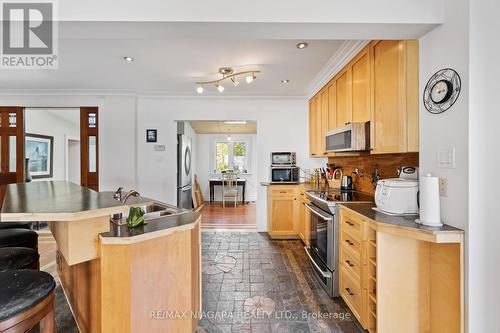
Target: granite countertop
{"x":59,"y":200}
{"x":407,"y":222}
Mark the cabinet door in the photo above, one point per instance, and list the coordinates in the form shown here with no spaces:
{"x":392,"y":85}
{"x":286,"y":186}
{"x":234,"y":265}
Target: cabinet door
{"x":318,"y":149}
{"x":361,"y":92}
{"x":389,"y":114}
{"x":324,"y":120}
{"x":312,"y":128}
{"x":343,"y":98}
{"x":283,"y":215}
{"x":332,"y":106}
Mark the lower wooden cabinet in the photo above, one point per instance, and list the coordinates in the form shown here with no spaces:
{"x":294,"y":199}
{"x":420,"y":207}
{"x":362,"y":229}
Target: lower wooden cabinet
{"x":304,"y":220}
{"x":283,"y":211}
{"x":397,"y":279}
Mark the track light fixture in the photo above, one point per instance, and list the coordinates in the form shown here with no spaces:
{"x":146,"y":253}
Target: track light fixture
{"x":227,"y":74}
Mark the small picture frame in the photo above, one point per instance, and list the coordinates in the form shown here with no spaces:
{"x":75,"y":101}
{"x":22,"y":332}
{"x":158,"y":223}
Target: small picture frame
{"x":151,"y":135}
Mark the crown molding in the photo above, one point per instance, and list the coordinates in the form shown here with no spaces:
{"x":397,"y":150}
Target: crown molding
{"x":347,"y":51}
{"x":134,"y":93}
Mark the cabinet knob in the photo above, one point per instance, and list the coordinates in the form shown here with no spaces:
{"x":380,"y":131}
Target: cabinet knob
{"x":349,"y":291}
{"x":349,"y":223}
{"x":349,"y":242}
{"x":349,"y":263}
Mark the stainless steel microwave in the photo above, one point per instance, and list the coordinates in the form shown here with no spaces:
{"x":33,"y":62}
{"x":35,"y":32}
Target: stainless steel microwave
{"x":283,"y":158}
{"x":285,"y":174}
{"x":351,"y":137}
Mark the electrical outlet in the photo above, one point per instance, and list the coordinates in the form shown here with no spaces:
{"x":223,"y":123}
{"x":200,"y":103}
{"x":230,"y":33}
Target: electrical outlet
{"x":443,"y":187}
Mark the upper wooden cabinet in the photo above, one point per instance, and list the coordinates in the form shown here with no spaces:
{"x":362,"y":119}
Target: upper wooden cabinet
{"x":395,"y":112}
{"x":361,"y":87}
{"x":379,"y":85}
{"x":343,"y":98}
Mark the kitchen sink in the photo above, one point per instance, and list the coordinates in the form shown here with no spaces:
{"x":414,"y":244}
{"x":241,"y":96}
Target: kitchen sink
{"x":152,"y":211}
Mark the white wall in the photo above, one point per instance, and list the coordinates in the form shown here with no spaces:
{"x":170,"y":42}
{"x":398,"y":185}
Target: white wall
{"x":484,"y":158}
{"x":205,"y":164}
{"x":47,"y":122}
{"x":282,"y":124}
{"x":448,"y":46}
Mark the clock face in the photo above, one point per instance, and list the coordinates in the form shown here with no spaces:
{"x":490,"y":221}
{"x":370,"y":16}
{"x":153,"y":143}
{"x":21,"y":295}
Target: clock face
{"x":441,"y":91}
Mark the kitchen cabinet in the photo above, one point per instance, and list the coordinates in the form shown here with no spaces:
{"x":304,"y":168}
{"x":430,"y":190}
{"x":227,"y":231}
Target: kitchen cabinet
{"x":324,"y":119}
{"x":400,"y":277}
{"x":379,"y":85}
{"x":283,"y":211}
{"x":395,"y":94}
{"x":343,"y":98}
{"x":361,"y":87}
{"x":304,"y":220}
{"x":315,"y":125}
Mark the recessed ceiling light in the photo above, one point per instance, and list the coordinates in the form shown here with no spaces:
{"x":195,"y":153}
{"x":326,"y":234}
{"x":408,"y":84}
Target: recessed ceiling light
{"x":285,"y":81}
{"x":241,"y":122}
{"x":128,"y":59}
{"x":302,"y":45}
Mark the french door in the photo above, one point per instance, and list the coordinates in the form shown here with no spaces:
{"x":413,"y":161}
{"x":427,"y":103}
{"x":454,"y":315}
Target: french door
{"x":89,"y":147}
{"x":11,"y":147}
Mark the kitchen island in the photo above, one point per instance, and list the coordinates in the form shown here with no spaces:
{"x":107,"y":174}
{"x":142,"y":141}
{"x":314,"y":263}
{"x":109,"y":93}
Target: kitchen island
{"x":116,"y":279}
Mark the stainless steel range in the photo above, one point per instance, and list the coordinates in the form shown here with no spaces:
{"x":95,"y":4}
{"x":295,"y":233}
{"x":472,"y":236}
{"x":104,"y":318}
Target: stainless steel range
{"x":324,"y":245}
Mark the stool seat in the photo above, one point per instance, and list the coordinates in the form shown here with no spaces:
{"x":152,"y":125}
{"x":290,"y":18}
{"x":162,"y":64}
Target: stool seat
{"x":18,"y":258}
{"x":18,"y":237}
{"x":21,"y":290}
{"x":16,"y":225}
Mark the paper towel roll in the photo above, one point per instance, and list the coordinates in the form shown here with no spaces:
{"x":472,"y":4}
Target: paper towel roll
{"x":430,"y":208}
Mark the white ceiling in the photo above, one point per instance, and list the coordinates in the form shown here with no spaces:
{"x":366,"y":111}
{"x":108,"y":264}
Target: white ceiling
{"x":171,"y":63}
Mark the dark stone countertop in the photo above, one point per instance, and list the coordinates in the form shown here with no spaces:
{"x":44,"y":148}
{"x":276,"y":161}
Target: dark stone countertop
{"x":58,"y":197}
{"x":365,"y":209}
{"x":163,"y":224}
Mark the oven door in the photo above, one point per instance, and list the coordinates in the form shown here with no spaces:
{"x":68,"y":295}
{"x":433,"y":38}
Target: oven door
{"x":282,"y":175}
{"x":322,"y":235}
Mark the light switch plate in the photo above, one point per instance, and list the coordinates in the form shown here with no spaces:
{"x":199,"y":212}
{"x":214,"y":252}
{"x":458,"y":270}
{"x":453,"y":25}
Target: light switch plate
{"x":159,"y":147}
{"x":446,"y":158}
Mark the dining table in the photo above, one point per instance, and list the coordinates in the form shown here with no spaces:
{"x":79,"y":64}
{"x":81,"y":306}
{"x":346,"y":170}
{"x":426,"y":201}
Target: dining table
{"x":218,"y":182}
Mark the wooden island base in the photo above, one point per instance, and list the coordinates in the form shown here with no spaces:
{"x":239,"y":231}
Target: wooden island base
{"x":144,"y":285}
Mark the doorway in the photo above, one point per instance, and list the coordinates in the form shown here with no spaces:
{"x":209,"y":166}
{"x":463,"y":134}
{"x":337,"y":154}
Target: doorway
{"x":221,"y":148}
{"x":73,"y":160}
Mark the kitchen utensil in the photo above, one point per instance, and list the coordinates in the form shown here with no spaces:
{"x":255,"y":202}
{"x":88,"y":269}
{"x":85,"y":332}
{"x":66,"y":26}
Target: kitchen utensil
{"x":346,"y":183}
{"x":336,"y":179}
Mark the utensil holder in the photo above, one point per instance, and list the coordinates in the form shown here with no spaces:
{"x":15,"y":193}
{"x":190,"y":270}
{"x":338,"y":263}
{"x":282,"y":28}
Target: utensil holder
{"x":334,"y":183}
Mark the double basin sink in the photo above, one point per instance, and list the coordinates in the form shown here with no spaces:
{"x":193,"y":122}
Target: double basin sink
{"x":151,"y":211}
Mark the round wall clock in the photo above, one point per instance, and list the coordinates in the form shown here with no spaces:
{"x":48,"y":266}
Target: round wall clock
{"x":442,"y":90}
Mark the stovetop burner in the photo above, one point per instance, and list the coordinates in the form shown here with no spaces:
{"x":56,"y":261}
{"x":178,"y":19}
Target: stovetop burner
{"x":341,"y":196}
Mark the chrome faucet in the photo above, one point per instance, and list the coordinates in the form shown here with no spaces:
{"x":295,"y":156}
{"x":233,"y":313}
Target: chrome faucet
{"x":118,"y":194}
{"x":131,"y":193}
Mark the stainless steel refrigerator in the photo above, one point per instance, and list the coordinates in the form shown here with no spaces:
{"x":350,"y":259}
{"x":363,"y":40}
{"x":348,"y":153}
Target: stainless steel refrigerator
{"x":184,"y":177}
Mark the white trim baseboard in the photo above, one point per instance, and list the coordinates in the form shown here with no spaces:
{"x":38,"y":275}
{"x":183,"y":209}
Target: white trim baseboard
{"x":344,"y":54}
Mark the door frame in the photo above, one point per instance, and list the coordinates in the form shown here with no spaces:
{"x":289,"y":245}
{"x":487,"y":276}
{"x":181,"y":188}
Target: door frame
{"x":67,"y":139}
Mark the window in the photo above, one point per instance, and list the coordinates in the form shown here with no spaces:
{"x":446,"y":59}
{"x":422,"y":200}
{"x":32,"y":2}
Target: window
{"x":231,"y":155}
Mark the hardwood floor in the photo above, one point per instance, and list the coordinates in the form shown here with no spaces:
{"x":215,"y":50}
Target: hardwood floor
{"x":214,"y":216}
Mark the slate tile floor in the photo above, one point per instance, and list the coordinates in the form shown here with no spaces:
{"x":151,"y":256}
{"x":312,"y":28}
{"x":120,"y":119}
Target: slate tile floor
{"x":254,"y":284}
{"x":251,"y":283}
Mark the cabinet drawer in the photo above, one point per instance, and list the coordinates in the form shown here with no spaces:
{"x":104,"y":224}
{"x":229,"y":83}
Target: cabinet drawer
{"x":350,"y":245}
{"x":351,"y":263}
{"x":283,"y":191}
{"x":351,"y":292}
{"x":352,"y":226}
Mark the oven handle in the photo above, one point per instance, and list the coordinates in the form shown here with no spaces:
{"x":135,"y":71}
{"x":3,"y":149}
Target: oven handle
{"x":326,"y":218}
{"x":327,"y":275}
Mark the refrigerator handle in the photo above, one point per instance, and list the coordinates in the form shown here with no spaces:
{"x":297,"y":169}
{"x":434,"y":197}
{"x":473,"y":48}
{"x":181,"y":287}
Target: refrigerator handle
{"x":187,"y":188}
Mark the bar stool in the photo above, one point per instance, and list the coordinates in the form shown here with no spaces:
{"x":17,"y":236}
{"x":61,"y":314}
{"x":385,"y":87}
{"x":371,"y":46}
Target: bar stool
{"x":18,"y":237}
{"x":19,"y":258}
{"x":27,"y":299}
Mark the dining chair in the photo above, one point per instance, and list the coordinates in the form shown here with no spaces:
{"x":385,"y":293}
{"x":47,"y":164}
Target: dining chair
{"x":229,"y":187}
